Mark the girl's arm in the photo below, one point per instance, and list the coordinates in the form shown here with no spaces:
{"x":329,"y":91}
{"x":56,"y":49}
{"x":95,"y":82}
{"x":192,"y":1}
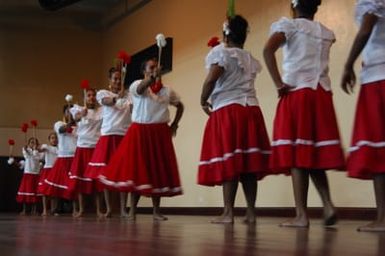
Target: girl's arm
{"x":178,"y":115}
{"x":362,"y":37}
{"x":144,"y":84}
{"x":272,"y":45}
{"x":214,"y":74}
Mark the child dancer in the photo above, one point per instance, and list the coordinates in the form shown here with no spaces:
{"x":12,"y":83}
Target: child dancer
{"x":306,"y":139}
{"x":50,"y":155}
{"x":89,"y":120}
{"x":27,"y":193}
{"x":145,"y":162}
{"x":116,"y":107}
{"x":367,"y":155}
{"x":235,"y":145}
{"x":56,"y":183}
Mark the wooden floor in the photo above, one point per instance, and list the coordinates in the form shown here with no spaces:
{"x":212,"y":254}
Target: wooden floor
{"x":181,"y":235}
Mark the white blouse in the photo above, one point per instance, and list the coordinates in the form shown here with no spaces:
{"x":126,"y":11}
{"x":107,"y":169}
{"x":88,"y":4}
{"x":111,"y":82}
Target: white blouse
{"x":150,"y":108}
{"x":67,"y":141}
{"x":305,"y":52}
{"x":236,"y":85}
{"x":32,"y":161}
{"x":88,"y":128}
{"x":373,"y":55}
{"x":117,"y":118}
{"x":50,"y":155}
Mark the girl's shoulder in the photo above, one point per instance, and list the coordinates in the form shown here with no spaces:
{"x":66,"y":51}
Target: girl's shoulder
{"x":376,"y":7}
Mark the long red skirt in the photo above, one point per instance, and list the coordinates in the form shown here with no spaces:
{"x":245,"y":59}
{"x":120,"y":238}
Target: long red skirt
{"x":235,"y":142}
{"x":56,"y":183}
{"x":305,"y":133}
{"x":78,"y":183}
{"x":27,"y":192}
{"x":144,"y":163}
{"x":367,"y":151}
{"x":42,"y":176}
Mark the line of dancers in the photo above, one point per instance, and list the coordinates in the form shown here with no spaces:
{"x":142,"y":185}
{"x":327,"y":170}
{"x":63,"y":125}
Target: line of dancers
{"x":125,"y":144}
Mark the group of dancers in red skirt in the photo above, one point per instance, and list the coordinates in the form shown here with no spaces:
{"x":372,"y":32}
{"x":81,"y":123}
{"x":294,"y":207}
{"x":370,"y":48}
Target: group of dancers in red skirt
{"x":125,"y":145}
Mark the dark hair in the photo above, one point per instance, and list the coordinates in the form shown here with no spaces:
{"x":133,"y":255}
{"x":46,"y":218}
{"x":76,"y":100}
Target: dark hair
{"x":33,"y":138}
{"x":52,"y":133}
{"x":91,"y":89}
{"x":238,"y":27}
{"x":308,"y":7}
{"x":67,"y":106}
{"x":143,"y":65}
{"x":111,"y":71}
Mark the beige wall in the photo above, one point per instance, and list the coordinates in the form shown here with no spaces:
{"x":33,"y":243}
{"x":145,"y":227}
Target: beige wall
{"x":191,"y":24}
{"x":38,"y":67}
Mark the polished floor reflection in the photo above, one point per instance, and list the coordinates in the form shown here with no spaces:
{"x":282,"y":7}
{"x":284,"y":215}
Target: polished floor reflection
{"x":181,"y":235}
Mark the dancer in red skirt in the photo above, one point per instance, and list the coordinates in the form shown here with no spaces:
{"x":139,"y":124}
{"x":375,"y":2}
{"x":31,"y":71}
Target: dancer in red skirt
{"x":56,"y":183}
{"x":306,"y":139}
{"x":50,"y":155}
{"x":89,"y":121}
{"x":367,"y":152}
{"x":235,"y":144}
{"x":27,"y":193}
{"x":116,"y":115}
{"x":145,"y":162}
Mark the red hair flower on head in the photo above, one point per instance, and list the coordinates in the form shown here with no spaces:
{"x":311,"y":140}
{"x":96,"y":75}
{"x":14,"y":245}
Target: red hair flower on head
{"x":214,"y":41}
{"x":11,"y":142}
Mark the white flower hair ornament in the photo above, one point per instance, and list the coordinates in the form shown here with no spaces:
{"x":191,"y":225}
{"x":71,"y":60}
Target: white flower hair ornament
{"x":226,"y":28}
{"x":295,"y":3}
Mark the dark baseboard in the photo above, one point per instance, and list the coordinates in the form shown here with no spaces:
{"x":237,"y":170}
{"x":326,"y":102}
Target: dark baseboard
{"x":314,"y":212}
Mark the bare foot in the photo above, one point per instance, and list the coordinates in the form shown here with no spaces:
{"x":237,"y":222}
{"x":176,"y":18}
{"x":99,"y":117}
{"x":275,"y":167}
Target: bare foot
{"x":159,"y":217}
{"x":223,"y":219}
{"x":330,"y":216}
{"x":373,"y":227}
{"x":249,"y":218}
{"x":124,"y":215}
{"x":79,"y":214}
{"x":296,"y":223}
{"x":108,"y":214}
{"x":99,"y":215}
{"x":44,"y":214}
{"x":74,"y":214}
{"x":22,"y":213}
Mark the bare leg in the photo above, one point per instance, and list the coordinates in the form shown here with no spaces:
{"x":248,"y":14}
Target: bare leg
{"x":33,"y":209}
{"x":123,"y":205}
{"x":321,"y":183}
{"x":249,"y":185}
{"x":45,"y":208}
{"x":108,"y":204}
{"x":379,"y":191}
{"x":24,"y":210}
{"x":54,"y":205}
{"x":156,"y":209}
{"x":75,"y":205}
{"x":133,"y":204}
{"x":81,"y":206}
{"x":97,"y":203}
{"x":229,"y":192}
{"x":300,"y":179}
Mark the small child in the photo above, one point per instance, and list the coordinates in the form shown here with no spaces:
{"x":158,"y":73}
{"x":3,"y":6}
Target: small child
{"x":27,"y":193}
{"x":50,"y":155}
